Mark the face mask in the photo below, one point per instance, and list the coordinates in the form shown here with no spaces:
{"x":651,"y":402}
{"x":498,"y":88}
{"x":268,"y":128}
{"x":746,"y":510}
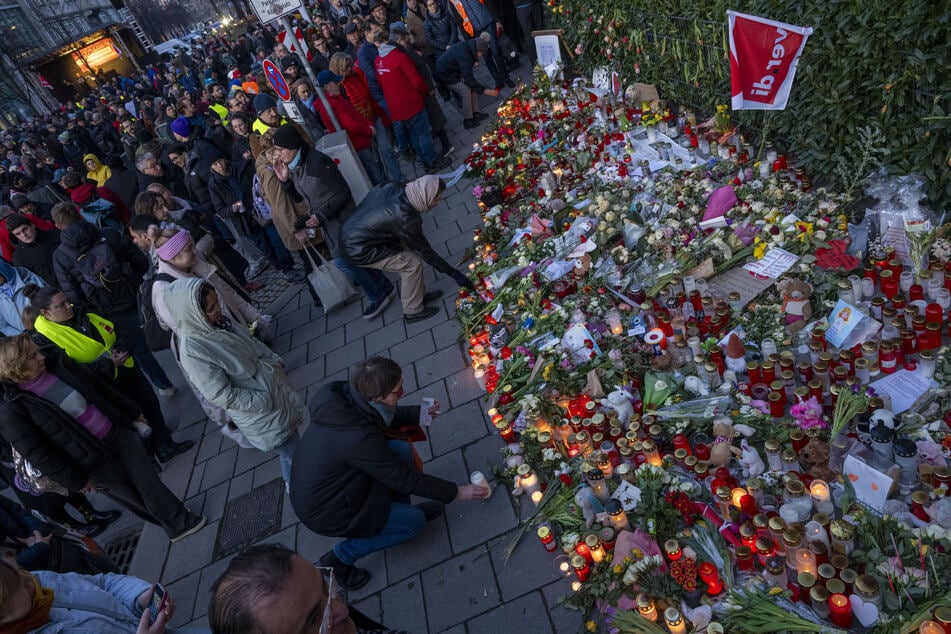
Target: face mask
{"x":385,"y":411}
{"x":294,"y":163}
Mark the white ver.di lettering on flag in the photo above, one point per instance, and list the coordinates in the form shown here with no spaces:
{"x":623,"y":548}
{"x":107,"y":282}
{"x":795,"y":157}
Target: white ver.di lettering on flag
{"x":763,"y":58}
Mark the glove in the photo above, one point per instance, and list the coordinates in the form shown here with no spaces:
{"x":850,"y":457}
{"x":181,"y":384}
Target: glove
{"x":462,"y":280}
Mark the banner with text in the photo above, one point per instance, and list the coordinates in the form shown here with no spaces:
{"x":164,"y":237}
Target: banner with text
{"x":763,"y":58}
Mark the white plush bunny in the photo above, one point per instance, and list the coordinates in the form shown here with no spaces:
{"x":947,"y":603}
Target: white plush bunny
{"x":750,"y":460}
{"x":620,"y":401}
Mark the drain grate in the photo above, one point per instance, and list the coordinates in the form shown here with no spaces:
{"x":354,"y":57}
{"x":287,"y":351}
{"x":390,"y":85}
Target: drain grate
{"x":121,"y":550}
{"x":250,"y":518}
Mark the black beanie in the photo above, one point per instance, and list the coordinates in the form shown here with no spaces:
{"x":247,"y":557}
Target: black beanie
{"x":288,"y":137}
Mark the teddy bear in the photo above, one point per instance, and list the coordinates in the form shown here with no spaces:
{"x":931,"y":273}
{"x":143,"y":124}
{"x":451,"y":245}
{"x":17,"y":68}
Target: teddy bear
{"x":723,"y":434}
{"x":796,"y":303}
{"x":814,"y":458}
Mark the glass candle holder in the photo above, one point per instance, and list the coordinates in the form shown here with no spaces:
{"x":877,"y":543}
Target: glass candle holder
{"x":840,"y":611}
{"x":646,"y":607}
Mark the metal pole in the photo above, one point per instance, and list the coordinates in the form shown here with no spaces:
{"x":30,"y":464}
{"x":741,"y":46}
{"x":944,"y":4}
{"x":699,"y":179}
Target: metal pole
{"x":291,"y":39}
{"x":304,"y":12}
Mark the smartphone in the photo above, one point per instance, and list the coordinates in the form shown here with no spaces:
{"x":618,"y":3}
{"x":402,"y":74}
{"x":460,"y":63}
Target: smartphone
{"x":425,"y":418}
{"x":157,"y":602}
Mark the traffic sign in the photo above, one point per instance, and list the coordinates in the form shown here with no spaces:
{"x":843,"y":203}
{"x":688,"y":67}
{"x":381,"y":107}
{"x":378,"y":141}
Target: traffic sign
{"x":276,"y":79}
{"x":268,"y":10}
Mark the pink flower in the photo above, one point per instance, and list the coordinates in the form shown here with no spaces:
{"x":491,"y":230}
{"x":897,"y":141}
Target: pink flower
{"x":477,"y":191}
{"x":808,"y":414}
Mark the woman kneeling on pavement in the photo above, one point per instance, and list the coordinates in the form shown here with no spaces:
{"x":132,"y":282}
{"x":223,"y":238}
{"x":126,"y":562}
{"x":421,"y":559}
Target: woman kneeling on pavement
{"x":90,"y":339}
{"x":77,"y":430}
{"x":235,"y":371}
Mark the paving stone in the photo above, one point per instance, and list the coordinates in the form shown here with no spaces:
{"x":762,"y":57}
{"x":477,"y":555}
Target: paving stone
{"x":267,"y":471}
{"x":360,"y":327}
{"x":241,"y":484}
{"x":472,"y":523}
{"x":345,"y":314}
{"x":418,"y":347}
{"x":525,"y":615}
{"x":463,"y":387}
{"x":384,"y":336}
{"x":191,"y":553}
{"x":148,"y":562}
{"x":209,"y":447}
{"x":428,"y":548}
{"x":417,"y":327}
{"x":208,"y":576}
{"x":530,"y":567}
{"x":457,"y":629}
{"x":369,"y":607}
{"x":286,"y":537}
{"x":400,"y":606}
{"x":307,"y":332}
{"x":303,"y":377}
{"x":282,"y":343}
{"x":439,"y":365}
{"x":292,"y":321}
{"x":296,"y":356}
{"x":249,"y":458}
{"x":200,"y":623}
{"x":345,"y":357}
{"x":194,"y":483}
{"x":446,"y":334}
{"x":215,"y":499}
{"x":484,"y":455}
{"x":219,"y":469}
{"x":310,"y":545}
{"x":376,"y":564}
{"x":457,"y":427}
{"x":564,"y":620}
{"x":185,"y":593}
{"x":458,"y":589}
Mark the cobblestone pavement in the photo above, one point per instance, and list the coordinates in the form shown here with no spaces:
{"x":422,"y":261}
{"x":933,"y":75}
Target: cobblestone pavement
{"x":450,"y":579}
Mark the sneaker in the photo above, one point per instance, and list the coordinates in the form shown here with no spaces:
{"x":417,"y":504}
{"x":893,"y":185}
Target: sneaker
{"x":196,"y":525}
{"x":426,"y":313}
{"x":375,"y":308}
{"x":438,"y":164}
{"x":480,"y":116}
{"x":106,"y":517}
{"x":449,"y":150}
{"x":431,"y":296}
{"x":347,"y":576}
{"x":294,"y":276}
{"x":431,"y":509}
{"x":468,"y":124}
{"x":165,"y":454}
{"x":253,"y":286}
{"x":168,"y":391}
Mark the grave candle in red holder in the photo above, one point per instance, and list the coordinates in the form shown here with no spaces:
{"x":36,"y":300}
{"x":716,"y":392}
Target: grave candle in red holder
{"x":840,"y":610}
{"x":916,"y":292}
{"x":754,"y":372}
{"x":581,"y":567}
{"x":889,"y":286}
{"x":583,"y":550}
{"x":933,"y":313}
{"x":776,"y":406}
{"x":506,"y":431}
{"x":748,"y":505}
{"x":680,"y":442}
{"x":672,"y":549}
{"x":708,"y":573}
{"x":702,"y":451}
{"x":768,"y":369}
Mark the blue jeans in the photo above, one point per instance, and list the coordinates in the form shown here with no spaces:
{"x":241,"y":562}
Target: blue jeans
{"x":373,"y":282}
{"x":130,"y":325}
{"x":286,"y":455}
{"x":404,"y":523}
{"x":421,"y":136}
{"x":269,"y":242}
{"x":372,"y":166}
{"x":390,"y":160}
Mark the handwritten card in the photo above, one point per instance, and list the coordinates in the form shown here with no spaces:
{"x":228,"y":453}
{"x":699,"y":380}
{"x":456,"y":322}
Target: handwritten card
{"x":776,"y":262}
{"x":842,"y":322}
{"x":871,"y":485}
{"x":740,"y":280}
{"x":903,"y":387}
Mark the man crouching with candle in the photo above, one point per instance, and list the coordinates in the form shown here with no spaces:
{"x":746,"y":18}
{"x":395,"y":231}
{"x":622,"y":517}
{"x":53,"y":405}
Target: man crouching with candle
{"x":360,"y":470}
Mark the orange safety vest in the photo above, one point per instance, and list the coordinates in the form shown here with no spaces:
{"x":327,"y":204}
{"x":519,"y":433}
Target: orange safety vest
{"x":466,"y":23}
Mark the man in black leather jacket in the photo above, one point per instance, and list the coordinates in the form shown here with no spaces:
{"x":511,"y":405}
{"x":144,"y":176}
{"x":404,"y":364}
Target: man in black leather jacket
{"x":385,"y":232}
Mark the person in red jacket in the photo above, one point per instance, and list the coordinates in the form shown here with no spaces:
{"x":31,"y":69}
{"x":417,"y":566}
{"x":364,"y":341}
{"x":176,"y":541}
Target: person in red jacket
{"x":359,"y":128}
{"x":404,"y":89}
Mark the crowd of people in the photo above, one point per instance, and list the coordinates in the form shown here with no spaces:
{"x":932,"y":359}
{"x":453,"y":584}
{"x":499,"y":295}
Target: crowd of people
{"x":139,"y":219}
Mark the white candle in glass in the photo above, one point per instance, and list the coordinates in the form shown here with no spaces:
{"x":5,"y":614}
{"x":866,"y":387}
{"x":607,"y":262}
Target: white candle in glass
{"x":819,"y":490}
{"x":478,"y":478}
{"x":815,"y":532}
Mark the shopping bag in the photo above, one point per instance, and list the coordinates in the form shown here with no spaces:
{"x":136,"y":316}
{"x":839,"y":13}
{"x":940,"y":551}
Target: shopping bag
{"x":331,"y":285}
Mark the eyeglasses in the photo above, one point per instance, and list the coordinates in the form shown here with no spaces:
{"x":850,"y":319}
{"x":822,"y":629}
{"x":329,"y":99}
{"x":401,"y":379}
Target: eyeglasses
{"x":398,"y":391}
{"x":328,"y":573}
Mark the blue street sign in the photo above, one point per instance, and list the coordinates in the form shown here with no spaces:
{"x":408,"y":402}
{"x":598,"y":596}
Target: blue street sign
{"x":276,"y":79}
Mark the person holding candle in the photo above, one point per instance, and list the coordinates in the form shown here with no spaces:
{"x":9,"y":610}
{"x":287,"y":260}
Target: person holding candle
{"x":361,"y":469}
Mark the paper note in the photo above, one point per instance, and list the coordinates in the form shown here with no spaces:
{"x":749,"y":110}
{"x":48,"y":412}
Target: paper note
{"x":741,"y":281}
{"x":871,"y":485}
{"x":903,"y":387}
{"x":776,"y":262}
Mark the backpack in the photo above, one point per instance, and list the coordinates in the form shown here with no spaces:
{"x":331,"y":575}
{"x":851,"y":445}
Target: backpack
{"x":156,"y":336}
{"x":100,"y":213}
{"x":259,"y":204}
{"x":99,"y":269}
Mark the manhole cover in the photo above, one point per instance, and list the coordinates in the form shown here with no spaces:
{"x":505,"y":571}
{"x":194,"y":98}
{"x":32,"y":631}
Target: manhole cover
{"x":122,"y":549}
{"x":250,"y":518}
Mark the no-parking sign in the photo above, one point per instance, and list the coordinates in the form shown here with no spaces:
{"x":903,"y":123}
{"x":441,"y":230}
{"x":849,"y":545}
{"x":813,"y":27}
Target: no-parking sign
{"x":276,"y":79}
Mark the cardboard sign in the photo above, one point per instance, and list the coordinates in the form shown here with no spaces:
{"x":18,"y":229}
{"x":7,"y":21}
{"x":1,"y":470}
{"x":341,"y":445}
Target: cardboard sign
{"x":842,"y":321}
{"x":871,"y":485}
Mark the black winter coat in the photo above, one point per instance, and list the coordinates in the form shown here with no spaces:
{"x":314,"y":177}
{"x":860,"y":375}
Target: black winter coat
{"x":384,"y":224}
{"x":346,"y":484}
{"x":456,"y":65}
{"x":440,"y":31}
{"x":321,"y":185}
{"x":115,"y":292}
{"x":37,"y":256}
{"x":49,"y":438}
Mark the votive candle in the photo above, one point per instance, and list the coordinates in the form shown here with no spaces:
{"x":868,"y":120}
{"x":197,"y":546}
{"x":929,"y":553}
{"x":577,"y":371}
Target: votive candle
{"x":675,"y":622}
{"x":840,"y":610}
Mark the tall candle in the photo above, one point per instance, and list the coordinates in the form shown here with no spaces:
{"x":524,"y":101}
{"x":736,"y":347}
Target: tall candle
{"x":930,"y":627}
{"x":708,"y":573}
{"x":819,"y":490}
{"x":675,"y":622}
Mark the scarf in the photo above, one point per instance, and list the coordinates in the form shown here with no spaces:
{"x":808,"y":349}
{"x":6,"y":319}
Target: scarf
{"x":39,"y":614}
{"x":386,"y":412}
{"x":422,"y":192}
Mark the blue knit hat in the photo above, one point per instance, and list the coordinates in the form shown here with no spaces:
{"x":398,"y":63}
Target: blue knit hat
{"x":263,"y":101}
{"x":182,"y":127}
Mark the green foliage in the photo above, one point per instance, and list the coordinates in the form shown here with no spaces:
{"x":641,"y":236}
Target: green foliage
{"x":873,"y":85}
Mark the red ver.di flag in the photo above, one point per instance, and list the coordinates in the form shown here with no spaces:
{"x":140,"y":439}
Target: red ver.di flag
{"x":763,"y":58}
